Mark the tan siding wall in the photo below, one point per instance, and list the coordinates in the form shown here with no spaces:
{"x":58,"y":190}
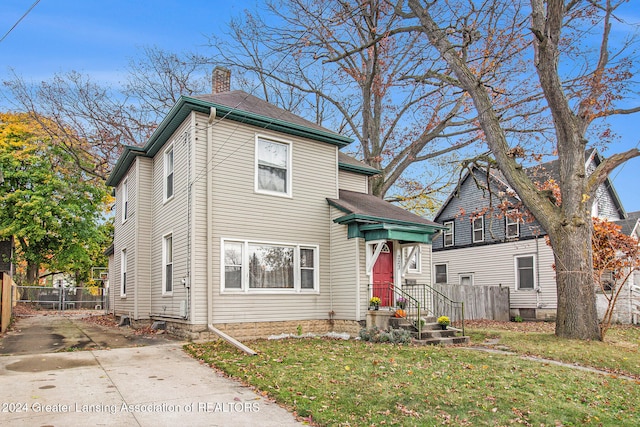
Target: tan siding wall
{"x":238,"y":212}
{"x":344,"y":273}
{"x":352,"y":181}
{"x":170,"y":217}
{"x":199,"y":227}
{"x":144,"y":176}
{"x":124,"y":238}
{"x":494,"y":265}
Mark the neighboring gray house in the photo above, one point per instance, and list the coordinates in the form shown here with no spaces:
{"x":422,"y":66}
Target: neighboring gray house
{"x":243,"y":216}
{"x":491,"y":241}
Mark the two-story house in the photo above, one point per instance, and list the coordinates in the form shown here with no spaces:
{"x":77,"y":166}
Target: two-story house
{"x":242,"y":216}
{"x":491,"y":240}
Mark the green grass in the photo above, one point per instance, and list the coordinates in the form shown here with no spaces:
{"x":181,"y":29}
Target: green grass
{"x":619,"y":353}
{"x":354,"y":383}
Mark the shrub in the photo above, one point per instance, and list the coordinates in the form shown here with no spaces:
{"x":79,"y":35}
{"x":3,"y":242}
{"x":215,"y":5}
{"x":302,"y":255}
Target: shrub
{"x":394,"y":336}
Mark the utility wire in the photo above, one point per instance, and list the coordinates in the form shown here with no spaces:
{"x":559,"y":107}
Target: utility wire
{"x":19,"y":20}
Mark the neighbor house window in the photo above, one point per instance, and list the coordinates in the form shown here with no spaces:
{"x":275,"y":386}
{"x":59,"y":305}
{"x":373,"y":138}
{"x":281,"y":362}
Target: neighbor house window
{"x":167,"y":273}
{"x":253,"y":266}
{"x":123,"y":273}
{"x":125,"y":200}
{"x":466,"y":279}
{"x":513,"y":223}
{"x":168,"y":174}
{"x":441,"y":273}
{"x":448,"y":233}
{"x":413,"y":261}
{"x":478,"y":229}
{"x":273,"y":167}
{"x":525,"y":272}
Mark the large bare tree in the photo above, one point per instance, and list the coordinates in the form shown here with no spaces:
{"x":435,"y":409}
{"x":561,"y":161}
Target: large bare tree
{"x":92,"y":121}
{"x":583,"y":76}
{"x":307,"y":55}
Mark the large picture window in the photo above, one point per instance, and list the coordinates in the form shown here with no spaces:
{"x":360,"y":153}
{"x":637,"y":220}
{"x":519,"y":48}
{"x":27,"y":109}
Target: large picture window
{"x":167,"y":276}
{"x":256,"y":266}
{"x":525,"y":272}
{"x":273,"y":167}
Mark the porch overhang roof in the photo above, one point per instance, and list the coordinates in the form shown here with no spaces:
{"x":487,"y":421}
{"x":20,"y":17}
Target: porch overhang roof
{"x":374,"y":228}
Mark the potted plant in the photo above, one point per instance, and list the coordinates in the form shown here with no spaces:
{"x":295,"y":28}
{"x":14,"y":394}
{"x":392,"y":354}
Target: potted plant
{"x":401,"y":303}
{"x":444,"y":321}
{"x":375,"y":303}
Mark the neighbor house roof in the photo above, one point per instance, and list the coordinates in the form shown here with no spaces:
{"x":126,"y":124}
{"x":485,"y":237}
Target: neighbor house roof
{"x":238,"y":106}
{"x":375,"y":219}
{"x":631,"y":224}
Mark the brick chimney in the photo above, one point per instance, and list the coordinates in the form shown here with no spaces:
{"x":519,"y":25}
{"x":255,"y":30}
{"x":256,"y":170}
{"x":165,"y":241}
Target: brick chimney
{"x":220,"y":80}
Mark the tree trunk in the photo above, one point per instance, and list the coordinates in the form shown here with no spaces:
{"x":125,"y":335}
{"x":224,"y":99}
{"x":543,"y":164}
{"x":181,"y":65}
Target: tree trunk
{"x":33,"y":269}
{"x":577,"y":315}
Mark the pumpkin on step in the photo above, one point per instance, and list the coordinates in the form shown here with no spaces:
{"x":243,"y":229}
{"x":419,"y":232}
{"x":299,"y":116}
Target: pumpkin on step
{"x":400,"y":313}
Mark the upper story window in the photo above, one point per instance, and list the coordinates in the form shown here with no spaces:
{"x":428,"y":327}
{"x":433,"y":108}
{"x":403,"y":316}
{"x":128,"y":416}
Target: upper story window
{"x":125,"y":200}
{"x":478,"y":229}
{"x":273,"y":167}
{"x":512,"y":223}
{"x":525,"y":272}
{"x":168,"y":173}
{"x":448,"y":233}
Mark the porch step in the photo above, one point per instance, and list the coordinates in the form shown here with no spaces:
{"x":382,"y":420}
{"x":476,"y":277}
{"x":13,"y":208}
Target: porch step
{"x":443,"y":341}
{"x":431,"y":332}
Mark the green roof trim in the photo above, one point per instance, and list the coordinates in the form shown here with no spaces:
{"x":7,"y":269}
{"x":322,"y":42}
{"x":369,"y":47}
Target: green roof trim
{"x":186,"y":105}
{"x":374,"y":228}
{"x":358,"y":169}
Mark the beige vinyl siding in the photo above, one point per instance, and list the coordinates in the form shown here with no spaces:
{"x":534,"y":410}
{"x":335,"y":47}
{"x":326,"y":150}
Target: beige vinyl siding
{"x":112,"y":275}
{"x":125,"y":238}
{"x":144,"y":171}
{"x":170,"y":217}
{"x":344,"y":270}
{"x":493,"y":265}
{"x":199,"y":273}
{"x":352,"y":181}
{"x":239,"y":213}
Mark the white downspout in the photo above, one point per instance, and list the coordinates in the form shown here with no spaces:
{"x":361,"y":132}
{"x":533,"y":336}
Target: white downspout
{"x":209,"y":213}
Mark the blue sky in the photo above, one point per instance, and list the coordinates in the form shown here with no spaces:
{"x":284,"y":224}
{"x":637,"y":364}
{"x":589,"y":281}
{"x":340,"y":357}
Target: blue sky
{"x":98,"y":38}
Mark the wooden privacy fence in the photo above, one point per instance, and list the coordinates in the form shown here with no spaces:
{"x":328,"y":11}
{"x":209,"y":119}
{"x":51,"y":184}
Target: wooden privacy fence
{"x":480,"y":302}
{"x":5,"y":301}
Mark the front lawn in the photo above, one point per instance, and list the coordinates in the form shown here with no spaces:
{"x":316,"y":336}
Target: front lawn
{"x":354,"y":383}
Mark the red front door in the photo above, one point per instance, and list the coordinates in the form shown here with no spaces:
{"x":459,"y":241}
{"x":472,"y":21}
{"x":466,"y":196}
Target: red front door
{"x":383,"y":275}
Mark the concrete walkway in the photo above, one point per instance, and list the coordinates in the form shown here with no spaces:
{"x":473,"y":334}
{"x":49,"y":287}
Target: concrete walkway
{"x":152,"y":385}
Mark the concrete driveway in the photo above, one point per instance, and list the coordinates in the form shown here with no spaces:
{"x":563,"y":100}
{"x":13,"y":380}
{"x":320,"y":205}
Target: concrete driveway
{"x":145,"y":382}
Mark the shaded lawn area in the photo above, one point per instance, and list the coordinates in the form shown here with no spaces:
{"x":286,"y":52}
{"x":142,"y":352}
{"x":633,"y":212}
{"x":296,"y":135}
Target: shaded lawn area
{"x":354,"y":383}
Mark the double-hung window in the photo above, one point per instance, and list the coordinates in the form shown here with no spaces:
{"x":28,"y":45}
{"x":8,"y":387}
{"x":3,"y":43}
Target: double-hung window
{"x":168,"y":173}
{"x":478,"y":229}
{"x":440,"y":271}
{"x":525,"y":272}
{"x":259,"y":267}
{"x":448,"y":233}
{"x":125,"y":200}
{"x":512,"y":224}
{"x":413,"y":261}
{"x":273,"y":167}
{"x":167,"y":273}
{"x":123,"y":273}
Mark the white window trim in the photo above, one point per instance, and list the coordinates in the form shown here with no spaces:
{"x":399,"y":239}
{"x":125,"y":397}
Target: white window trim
{"x":165,"y":174}
{"x":164,"y":265}
{"x":473,"y":229}
{"x":297,"y":279}
{"x":406,"y":256}
{"x":446,"y":264}
{"x":509,"y":222}
{"x":451,"y":231}
{"x":517,"y":276}
{"x":123,"y":273}
{"x":125,"y":200}
{"x":462,"y":275}
{"x":289,"y":192}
